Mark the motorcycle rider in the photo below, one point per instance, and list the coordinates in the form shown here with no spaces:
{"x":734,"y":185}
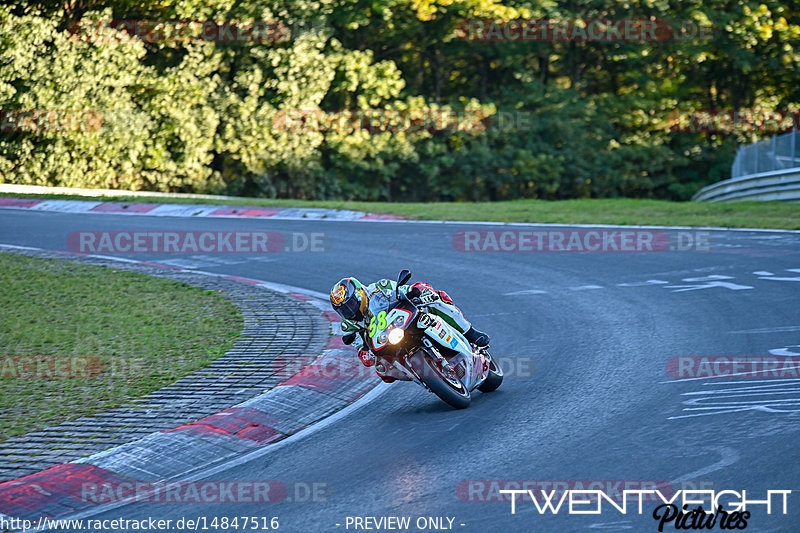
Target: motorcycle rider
{"x":350,"y":299}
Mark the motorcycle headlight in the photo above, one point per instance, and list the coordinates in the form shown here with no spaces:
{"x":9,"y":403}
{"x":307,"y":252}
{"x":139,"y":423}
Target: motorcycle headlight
{"x":396,"y":335}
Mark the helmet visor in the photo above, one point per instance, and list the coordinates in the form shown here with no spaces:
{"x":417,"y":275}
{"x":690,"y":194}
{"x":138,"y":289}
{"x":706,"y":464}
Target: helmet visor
{"x":351,"y":308}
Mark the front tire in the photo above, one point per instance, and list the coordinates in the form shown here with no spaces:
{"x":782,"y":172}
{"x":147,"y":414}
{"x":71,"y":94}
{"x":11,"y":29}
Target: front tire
{"x":451,"y":392}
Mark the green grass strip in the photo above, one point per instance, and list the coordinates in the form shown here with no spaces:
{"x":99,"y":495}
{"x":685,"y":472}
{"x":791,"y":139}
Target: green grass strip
{"x":76,"y":339}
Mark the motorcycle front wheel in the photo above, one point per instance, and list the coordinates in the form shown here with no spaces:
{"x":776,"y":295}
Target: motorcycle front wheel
{"x":450,"y":391}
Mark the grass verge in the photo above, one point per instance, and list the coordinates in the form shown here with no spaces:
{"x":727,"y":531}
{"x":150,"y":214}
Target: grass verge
{"x":79,"y":338}
{"x":777,"y":215}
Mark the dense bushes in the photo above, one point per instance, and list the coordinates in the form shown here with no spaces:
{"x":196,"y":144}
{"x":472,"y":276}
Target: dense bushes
{"x":560,"y":119}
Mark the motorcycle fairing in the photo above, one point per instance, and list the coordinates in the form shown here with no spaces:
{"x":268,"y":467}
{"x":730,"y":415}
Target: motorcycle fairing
{"x":445,"y":335}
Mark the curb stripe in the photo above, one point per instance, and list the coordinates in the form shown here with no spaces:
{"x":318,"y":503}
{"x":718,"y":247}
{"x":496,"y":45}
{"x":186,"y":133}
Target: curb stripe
{"x":20,"y":203}
{"x":249,"y":424}
{"x":53,"y":491}
{"x":119,"y":207}
{"x":243,"y":212}
{"x":243,"y":280}
{"x":190,"y":211}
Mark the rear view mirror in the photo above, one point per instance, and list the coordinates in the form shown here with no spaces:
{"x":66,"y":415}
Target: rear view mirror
{"x":402,"y":279}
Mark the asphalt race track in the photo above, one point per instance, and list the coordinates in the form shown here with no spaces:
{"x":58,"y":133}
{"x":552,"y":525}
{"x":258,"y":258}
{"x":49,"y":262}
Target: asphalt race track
{"x":587,"y":394}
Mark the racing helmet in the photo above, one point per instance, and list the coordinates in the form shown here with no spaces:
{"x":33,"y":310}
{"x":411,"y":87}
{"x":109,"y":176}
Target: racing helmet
{"x":349,"y":299}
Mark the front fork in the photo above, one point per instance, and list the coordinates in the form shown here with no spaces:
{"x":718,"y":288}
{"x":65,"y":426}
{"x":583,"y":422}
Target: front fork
{"x":445,"y":365}
{"x":447,"y":368}
{"x":406,"y":368}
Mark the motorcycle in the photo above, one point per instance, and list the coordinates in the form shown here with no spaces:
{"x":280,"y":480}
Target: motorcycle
{"x":412,"y":344}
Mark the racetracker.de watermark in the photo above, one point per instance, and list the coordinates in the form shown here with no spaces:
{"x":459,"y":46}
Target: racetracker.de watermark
{"x":397,"y":121}
{"x":493,"y":490}
{"x":332,"y":368}
{"x":42,"y":121}
{"x":758,"y":367}
{"x":580,"y":30}
{"x":734,"y":121}
{"x":194,"y":242}
{"x":380,"y":121}
{"x":206,"y":492}
{"x":158,"y":31}
{"x":599,"y":240}
{"x":50,"y":367}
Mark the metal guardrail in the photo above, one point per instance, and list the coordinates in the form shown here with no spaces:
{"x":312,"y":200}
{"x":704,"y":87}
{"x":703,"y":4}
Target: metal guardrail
{"x":780,"y":185}
{"x":768,"y":170}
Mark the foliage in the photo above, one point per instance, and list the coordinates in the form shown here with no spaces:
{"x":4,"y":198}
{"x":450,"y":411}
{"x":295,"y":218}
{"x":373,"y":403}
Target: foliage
{"x":562,"y":119}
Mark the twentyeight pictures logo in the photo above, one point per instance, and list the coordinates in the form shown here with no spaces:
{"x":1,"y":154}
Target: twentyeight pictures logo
{"x":684,"y":509}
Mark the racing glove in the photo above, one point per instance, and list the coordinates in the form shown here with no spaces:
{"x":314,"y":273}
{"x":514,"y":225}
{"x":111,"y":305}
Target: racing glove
{"x":349,"y":338}
{"x":424,"y":297}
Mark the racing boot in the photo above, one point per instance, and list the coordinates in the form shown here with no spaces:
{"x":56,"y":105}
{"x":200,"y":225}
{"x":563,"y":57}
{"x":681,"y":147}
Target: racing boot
{"x":478,"y":338}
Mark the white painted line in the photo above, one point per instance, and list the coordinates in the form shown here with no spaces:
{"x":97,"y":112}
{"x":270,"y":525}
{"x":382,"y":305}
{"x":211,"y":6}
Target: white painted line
{"x":772,"y":382}
{"x":187,"y":264}
{"x":712,"y":277}
{"x":19,"y":247}
{"x":779,"y":329}
{"x":288,"y":288}
{"x":120,"y":259}
{"x":752,"y":373}
{"x":709,"y":285}
{"x":616,"y":526}
{"x":728,"y":456}
{"x":528,"y":291}
{"x":786,"y":351}
{"x":719,"y":410}
{"x":756,"y":390}
{"x":556,"y":225}
{"x":754,"y":404}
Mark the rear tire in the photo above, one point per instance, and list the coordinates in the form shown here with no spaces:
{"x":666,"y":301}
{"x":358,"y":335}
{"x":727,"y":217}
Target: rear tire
{"x":426,"y":367}
{"x":494,"y":379}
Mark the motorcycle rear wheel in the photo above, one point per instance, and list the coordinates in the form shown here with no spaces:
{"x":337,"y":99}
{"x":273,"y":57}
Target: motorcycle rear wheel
{"x":494,"y":379}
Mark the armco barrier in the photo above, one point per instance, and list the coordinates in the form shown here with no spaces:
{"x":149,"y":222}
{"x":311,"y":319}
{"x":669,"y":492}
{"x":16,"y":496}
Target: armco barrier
{"x":781,"y":185}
